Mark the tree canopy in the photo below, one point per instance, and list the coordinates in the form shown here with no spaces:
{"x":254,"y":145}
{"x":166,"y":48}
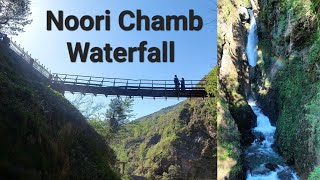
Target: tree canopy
{"x":14,"y":15}
{"x":119,"y":112}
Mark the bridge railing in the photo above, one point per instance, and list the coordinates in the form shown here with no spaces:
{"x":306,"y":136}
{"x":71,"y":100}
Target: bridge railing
{"x":124,"y":83}
{"x":25,"y":56}
{"x":101,"y":81}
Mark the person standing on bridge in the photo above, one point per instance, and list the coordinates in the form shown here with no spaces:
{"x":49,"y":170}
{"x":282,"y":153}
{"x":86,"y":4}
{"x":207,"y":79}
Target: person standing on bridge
{"x":183,"y":87}
{"x":176,"y":82}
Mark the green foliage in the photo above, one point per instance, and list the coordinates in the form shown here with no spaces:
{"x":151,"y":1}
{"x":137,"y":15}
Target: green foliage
{"x":162,"y":148}
{"x":236,"y":170}
{"x":174,"y":172}
{"x":246,"y":3}
{"x":121,"y":152}
{"x":296,"y":84}
{"x":119,"y":112}
{"x":315,"y":6}
{"x":314,"y":55}
{"x":131,"y":140}
{"x":229,"y":147}
{"x":294,"y":92}
{"x":312,"y":115}
{"x":142,"y":148}
{"x":101,"y":127}
{"x":298,"y":8}
{"x":87,"y":106}
{"x":42,"y":136}
{"x":212,"y":83}
{"x":212,"y":90}
{"x":14,"y":15}
{"x":227,"y":10}
{"x":151,"y":140}
{"x":315,"y":175}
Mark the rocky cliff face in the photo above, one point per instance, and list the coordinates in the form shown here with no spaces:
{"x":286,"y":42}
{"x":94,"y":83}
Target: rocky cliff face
{"x":287,"y":82}
{"x":234,"y":68}
{"x":236,"y":118}
{"x":175,"y":143}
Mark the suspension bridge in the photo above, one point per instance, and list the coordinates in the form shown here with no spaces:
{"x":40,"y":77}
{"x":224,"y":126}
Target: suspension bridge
{"x":110,"y":86}
{"x":126,"y":87}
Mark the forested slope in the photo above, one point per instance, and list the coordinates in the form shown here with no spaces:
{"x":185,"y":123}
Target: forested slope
{"x":177,"y":142}
{"x":42,"y":136}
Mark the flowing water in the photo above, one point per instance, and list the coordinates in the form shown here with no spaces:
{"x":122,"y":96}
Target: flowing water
{"x":251,"y":49}
{"x":261,"y":160}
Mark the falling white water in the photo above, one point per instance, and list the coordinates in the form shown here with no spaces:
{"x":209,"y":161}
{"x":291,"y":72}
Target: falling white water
{"x":260,"y":153}
{"x":263,"y":125}
{"x":261,"y":161}
{"x":251,"y":49}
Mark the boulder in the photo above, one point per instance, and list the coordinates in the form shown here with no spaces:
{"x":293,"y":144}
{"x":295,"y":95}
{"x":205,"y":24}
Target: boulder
{"x":271,"y":166}
{"x":286,"y":174}
{"x":260,"y":171}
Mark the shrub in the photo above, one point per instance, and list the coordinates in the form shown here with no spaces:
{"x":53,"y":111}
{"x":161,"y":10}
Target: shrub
{"x":315,"y":175}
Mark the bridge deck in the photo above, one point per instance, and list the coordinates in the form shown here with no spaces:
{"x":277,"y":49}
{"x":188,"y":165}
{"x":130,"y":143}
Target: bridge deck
{"x":110,"y":86}
{"x":126,"y":87}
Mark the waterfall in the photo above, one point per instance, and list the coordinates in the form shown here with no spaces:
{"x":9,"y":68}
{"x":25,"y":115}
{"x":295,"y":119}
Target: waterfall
{"x":251,"y":48}
{"x":261,"y":160}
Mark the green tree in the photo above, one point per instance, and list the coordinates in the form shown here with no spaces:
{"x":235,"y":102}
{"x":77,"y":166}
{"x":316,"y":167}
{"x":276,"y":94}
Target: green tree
{"x":315,"y":174}
{"x":14,"y":15}
{"x":119,"y":112}
{"x":101,"y":127}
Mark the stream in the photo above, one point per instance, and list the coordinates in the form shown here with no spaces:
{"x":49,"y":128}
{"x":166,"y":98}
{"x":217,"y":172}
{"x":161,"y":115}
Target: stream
{"x":261,"y":160}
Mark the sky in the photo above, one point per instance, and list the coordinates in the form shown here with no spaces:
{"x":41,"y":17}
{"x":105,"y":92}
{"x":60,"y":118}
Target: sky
{"x":195,"y":51}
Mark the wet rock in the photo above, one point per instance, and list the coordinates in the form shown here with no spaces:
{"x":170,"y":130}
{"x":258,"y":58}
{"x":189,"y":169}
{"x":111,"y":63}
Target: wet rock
{"x":245,"y":119}
{"x":274,"y":147}
{"x":285,"y":175}
{"x":244,"y":15}
{"x":261,"y":139}
{"x":269,"y":104}
{"x":290,"y":161}
{"x":261,"y":171}
{"x":258,"y":136}
{"x":246,"y":138}
{"x":271,"y":166}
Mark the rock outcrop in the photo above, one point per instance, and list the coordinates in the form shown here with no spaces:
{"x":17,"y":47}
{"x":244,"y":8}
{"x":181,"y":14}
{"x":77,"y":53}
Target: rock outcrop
{"x":178,"y":142}
{"x":287,"y":82}
{"x":236,"y":118}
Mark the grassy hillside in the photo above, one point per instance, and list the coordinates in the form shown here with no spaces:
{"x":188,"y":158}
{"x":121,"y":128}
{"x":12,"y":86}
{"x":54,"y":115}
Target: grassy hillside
{"x":42,"y":136}
{"x":178,"y":142}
